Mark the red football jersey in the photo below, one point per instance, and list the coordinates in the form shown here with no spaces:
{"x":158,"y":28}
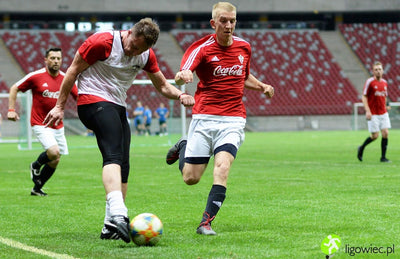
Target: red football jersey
{"x":222,"y":72}
{"x":376,"y":92}
{"x":45,"y":91}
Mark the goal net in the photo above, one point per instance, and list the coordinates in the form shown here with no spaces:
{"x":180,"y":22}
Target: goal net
{"x":359,"y":121}
{"x":20,"y":131}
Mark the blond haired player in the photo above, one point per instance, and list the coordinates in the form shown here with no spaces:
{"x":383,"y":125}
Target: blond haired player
{"x":222,"y":63}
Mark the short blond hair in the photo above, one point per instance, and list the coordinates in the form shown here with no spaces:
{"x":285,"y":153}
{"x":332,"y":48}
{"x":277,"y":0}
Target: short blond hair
{"x":377,"y":63}
{"x":222,"y":6}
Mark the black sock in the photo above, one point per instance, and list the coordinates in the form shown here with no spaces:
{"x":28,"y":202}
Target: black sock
{"x":41,"y":160}
{"x":45,"y":175}
{"x":366,"y":142}
{"x":182,"y":149}
{"x":384,"y":144}
{"x":215,"y":199}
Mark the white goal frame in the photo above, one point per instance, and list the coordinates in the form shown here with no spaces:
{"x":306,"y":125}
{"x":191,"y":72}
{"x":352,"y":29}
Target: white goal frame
{"x":358,"y":105}
{"x":27,"y":122}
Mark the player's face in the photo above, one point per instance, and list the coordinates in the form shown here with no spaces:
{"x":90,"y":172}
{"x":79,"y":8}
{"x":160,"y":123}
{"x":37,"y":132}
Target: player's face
{"x":53,"y":61}
{"x":224,"y":26}
{"x":378,"y":71}
{"x":135,"y":45}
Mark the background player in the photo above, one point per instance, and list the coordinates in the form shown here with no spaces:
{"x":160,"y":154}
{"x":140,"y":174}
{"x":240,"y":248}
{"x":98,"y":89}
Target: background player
{"x":374,"y":98}
{"x":45,"y":86}
{"x":138,"y":118}
{"x":162,"y":114}
{"x":147,"y":117}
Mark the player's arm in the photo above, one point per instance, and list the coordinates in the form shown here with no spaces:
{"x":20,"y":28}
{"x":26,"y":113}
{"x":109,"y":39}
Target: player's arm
{"x":368,"y":114}
{"x":168,"y":90}
{"x":388,"y":104}
{"x":57,"y":113}
{"x":253,"y":83}
{"x":12,"y":98}
{"x":78,"y":66}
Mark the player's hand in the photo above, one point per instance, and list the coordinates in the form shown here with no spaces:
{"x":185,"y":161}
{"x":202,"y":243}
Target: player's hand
{"x":54,"y":117}
{"x":187,"y":100}
{"x":269,"y":91}
{"x":184,"y":77}
{"x":12,"y":116}
{"x":368,"y":115}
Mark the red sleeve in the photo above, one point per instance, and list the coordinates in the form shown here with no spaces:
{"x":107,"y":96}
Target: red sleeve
{"x":74,"y":92}
{"x":97,"y":47}
{"x":194,"y":55}
{"x":151,"y":65}
{"x":26,"y":83}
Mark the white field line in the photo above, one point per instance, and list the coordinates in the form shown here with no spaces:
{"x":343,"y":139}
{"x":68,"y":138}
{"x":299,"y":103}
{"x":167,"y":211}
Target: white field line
{"x":32,"y":249}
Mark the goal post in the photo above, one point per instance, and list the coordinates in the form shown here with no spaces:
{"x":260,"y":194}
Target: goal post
{"x":359,"y":115}
{"x":17,"y":132}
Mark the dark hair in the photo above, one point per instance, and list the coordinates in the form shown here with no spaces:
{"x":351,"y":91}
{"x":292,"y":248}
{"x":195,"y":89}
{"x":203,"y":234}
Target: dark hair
{"x":52,"y":49}
{"x":147,"y":28}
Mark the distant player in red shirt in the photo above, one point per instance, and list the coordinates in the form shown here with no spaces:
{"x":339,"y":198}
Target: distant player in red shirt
{"x":374,"y":98}
{"x":222,"y":63}
{"x":105,"y":66}
{"x":45,"y":86}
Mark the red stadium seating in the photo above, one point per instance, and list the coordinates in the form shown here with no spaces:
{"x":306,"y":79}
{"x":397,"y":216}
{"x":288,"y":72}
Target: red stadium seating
{"x":28,"y":48}
{"x":306,"y":77}
{"x":377,"y":42}
{"x":3,"y":86}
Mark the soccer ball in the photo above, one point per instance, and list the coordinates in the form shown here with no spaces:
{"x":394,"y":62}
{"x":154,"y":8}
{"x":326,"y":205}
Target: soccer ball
{"x":146,"y":229}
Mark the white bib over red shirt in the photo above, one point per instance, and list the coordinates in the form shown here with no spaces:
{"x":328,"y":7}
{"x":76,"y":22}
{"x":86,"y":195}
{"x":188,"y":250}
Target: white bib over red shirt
{"x":111,"y":72}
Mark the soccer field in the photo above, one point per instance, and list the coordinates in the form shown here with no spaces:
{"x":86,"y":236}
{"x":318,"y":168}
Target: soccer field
{"x":287,"y":191}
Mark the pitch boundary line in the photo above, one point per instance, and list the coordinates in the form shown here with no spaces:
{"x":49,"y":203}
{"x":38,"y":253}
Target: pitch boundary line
{"x":18,"y":245}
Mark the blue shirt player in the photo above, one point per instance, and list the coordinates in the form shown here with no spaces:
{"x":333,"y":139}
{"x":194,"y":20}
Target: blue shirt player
{"x":138,"y":116}
{"x":162,"y":114}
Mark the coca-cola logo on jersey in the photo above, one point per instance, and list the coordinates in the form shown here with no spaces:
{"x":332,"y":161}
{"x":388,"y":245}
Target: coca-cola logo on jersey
{"x":47,"y":93}
{"x":236,"y":70}
{"x":380,"y":93}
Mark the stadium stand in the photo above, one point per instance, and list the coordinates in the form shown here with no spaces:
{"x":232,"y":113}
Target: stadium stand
{"x":377,"y":42}
{"x":3,"y":86}
{"x":307,"y":79}
{"x":28,"y":48}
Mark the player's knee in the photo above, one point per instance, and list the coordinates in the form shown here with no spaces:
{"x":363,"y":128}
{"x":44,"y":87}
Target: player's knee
{"x":374,"y":136}
{"x":223,"y":166}
{"x":190,"y":179}
{"x":385,"y":133}
{"x":53,"y":154}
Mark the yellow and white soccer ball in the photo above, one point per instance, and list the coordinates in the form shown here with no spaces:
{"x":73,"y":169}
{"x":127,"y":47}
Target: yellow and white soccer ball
{"x":146,"y":229}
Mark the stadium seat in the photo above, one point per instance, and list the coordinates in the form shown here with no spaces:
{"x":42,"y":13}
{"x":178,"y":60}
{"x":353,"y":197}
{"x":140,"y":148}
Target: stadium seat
{"x":373,"y":42}
{"x":3,"y":86}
